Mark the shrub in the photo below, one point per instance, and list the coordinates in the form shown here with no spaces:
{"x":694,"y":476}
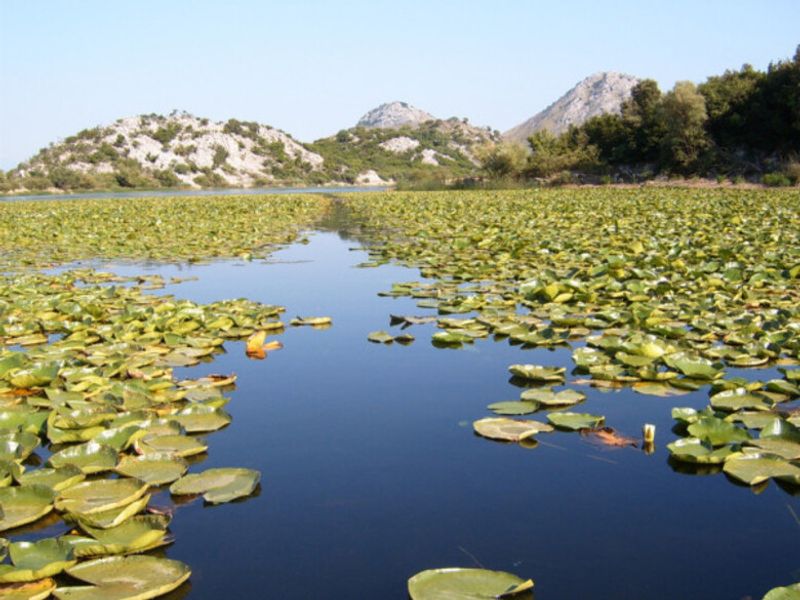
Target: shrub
{"x":220,"y":156}
{"x":776,"y":180}
{"x":166,"y":134}
{"x":167,"y":178}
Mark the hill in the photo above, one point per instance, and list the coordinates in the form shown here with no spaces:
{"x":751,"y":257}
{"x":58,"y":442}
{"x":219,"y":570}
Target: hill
{"x":171,"y":151}
{"x":597,"y":94}
{"x":398,"y":142}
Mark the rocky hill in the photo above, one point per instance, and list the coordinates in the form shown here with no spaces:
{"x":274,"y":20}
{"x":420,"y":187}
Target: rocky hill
{"x":393,"y":115}
{"x":398,"y":142}
{"x":175,"y":150}
{"x":597,"y":94}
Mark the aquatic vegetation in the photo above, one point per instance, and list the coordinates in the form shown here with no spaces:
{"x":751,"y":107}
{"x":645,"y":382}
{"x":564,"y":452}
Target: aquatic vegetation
{"x":86,"y":366}
{"x":467,"y":584}
{"x":180,"y":229}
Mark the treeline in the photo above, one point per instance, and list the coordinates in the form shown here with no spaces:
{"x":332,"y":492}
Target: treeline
{"x":740,"y":125}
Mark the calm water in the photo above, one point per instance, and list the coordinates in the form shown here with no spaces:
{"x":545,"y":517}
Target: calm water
{"x":371,"y":472}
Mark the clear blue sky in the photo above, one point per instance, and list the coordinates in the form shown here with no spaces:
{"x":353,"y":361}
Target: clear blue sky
{"x":313,"y":67}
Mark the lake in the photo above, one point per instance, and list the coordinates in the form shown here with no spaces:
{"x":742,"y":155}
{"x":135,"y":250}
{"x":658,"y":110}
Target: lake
{"x":371,"y":471}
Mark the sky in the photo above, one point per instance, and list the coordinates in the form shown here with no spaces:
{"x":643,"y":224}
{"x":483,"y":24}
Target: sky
{"x":313,"y":67}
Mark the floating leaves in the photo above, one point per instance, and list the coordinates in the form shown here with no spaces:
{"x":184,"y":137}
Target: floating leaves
{"x":24,"y":504}
{"x":218,"y":485}
{"x":467,"y":584}
{"x":311,"y":321}
{"x":538,"y":373}
{"x":575,"y":421}
{"x":256,"y":348}
{"x":509,"y":430}
{"x":124,"y":578}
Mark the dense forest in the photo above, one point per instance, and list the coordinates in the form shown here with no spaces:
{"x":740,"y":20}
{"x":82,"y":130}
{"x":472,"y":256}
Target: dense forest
{"x":743,"y":124}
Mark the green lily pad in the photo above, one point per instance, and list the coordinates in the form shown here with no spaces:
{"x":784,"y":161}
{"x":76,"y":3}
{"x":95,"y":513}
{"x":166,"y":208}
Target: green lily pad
{"x":575,"y":421}
{"x":100,"y":495}
{"x":538,"y":373}
{"x":155,"y":469}
{"x":685,"y":414}
{"x":509,"y":430}
{"x":467,"y":584}
{"x":739,"y":399}
{"x":90,"y":457}
{"x":201,"y":418}
{"x":113,"y":517}
{"x":124,"y":578}
{"x":56,"y":479}
{"x":693,"y":450}
{"x":218,"y":485}
{"x":24,"y":504}
{"x":657,"y":388}
{"x":137,"y":534}
{"x":789,"y":592}
{"x":179,"y":445}
{"x":717,"y":432}
{"x":752,"y":469}
{"x":752,"y":420}
{"x":513,"y":407}
{"x":548,"y":397}
{"x":36,"y":560}
{"x":694,"y":366}
{"x":380,"y":337}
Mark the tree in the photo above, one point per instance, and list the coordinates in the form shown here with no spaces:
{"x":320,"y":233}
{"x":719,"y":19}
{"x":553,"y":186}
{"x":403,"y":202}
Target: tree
{"x":683,"y":115}
{"x":506,"y":159}
{"x":569,"y":151}
{"x":731,"y":103}
{"x":640,"y":120}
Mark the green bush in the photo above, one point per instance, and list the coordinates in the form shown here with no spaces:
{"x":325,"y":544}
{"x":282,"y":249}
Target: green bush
{"x":166,"y":134}
{"x":776,"y":180}
{"x":220,"y":156}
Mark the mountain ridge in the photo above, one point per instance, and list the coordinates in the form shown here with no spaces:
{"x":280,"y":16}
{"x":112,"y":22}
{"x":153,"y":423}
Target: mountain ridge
{"x":600,"y":93}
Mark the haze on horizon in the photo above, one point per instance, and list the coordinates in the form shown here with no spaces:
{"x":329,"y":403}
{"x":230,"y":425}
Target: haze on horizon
{"x":315,"y":67}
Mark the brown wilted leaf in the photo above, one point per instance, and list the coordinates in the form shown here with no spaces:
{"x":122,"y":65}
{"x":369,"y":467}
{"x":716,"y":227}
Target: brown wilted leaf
{"x":608,"y":436}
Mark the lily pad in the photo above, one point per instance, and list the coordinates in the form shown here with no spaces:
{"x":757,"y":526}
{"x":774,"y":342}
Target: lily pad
{"x":57,"y":479}
{"x":380,"y":337}
{"x":125,"y":578}
{"x":739,"y":399}
{"x":467,"y":584}
{"x":538,"y":373}
{"x":179,"y":445}
{"x":717,"y":432}
{"x":24,"y":504}
{"x":789,"y":592}
{"x":575,"y":421}
{"x":693,"y":450}
{"x":36,"y":560}
{"x":752,"y":469}
{"x":155,"y":469}
{"x":548,"y":397}
{"x":113,"y":517}
{"x":694,"y":366}
{"x":137,"y":534}
{"x":513,"y":407}
{"x":509,"y":430}
{"x":218,"y":485}
{"x":90,"y":457}
{"x":90,"y":497}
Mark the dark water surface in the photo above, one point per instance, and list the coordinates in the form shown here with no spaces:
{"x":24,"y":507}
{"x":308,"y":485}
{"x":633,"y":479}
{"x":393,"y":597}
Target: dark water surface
{"x":371,"y":472}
